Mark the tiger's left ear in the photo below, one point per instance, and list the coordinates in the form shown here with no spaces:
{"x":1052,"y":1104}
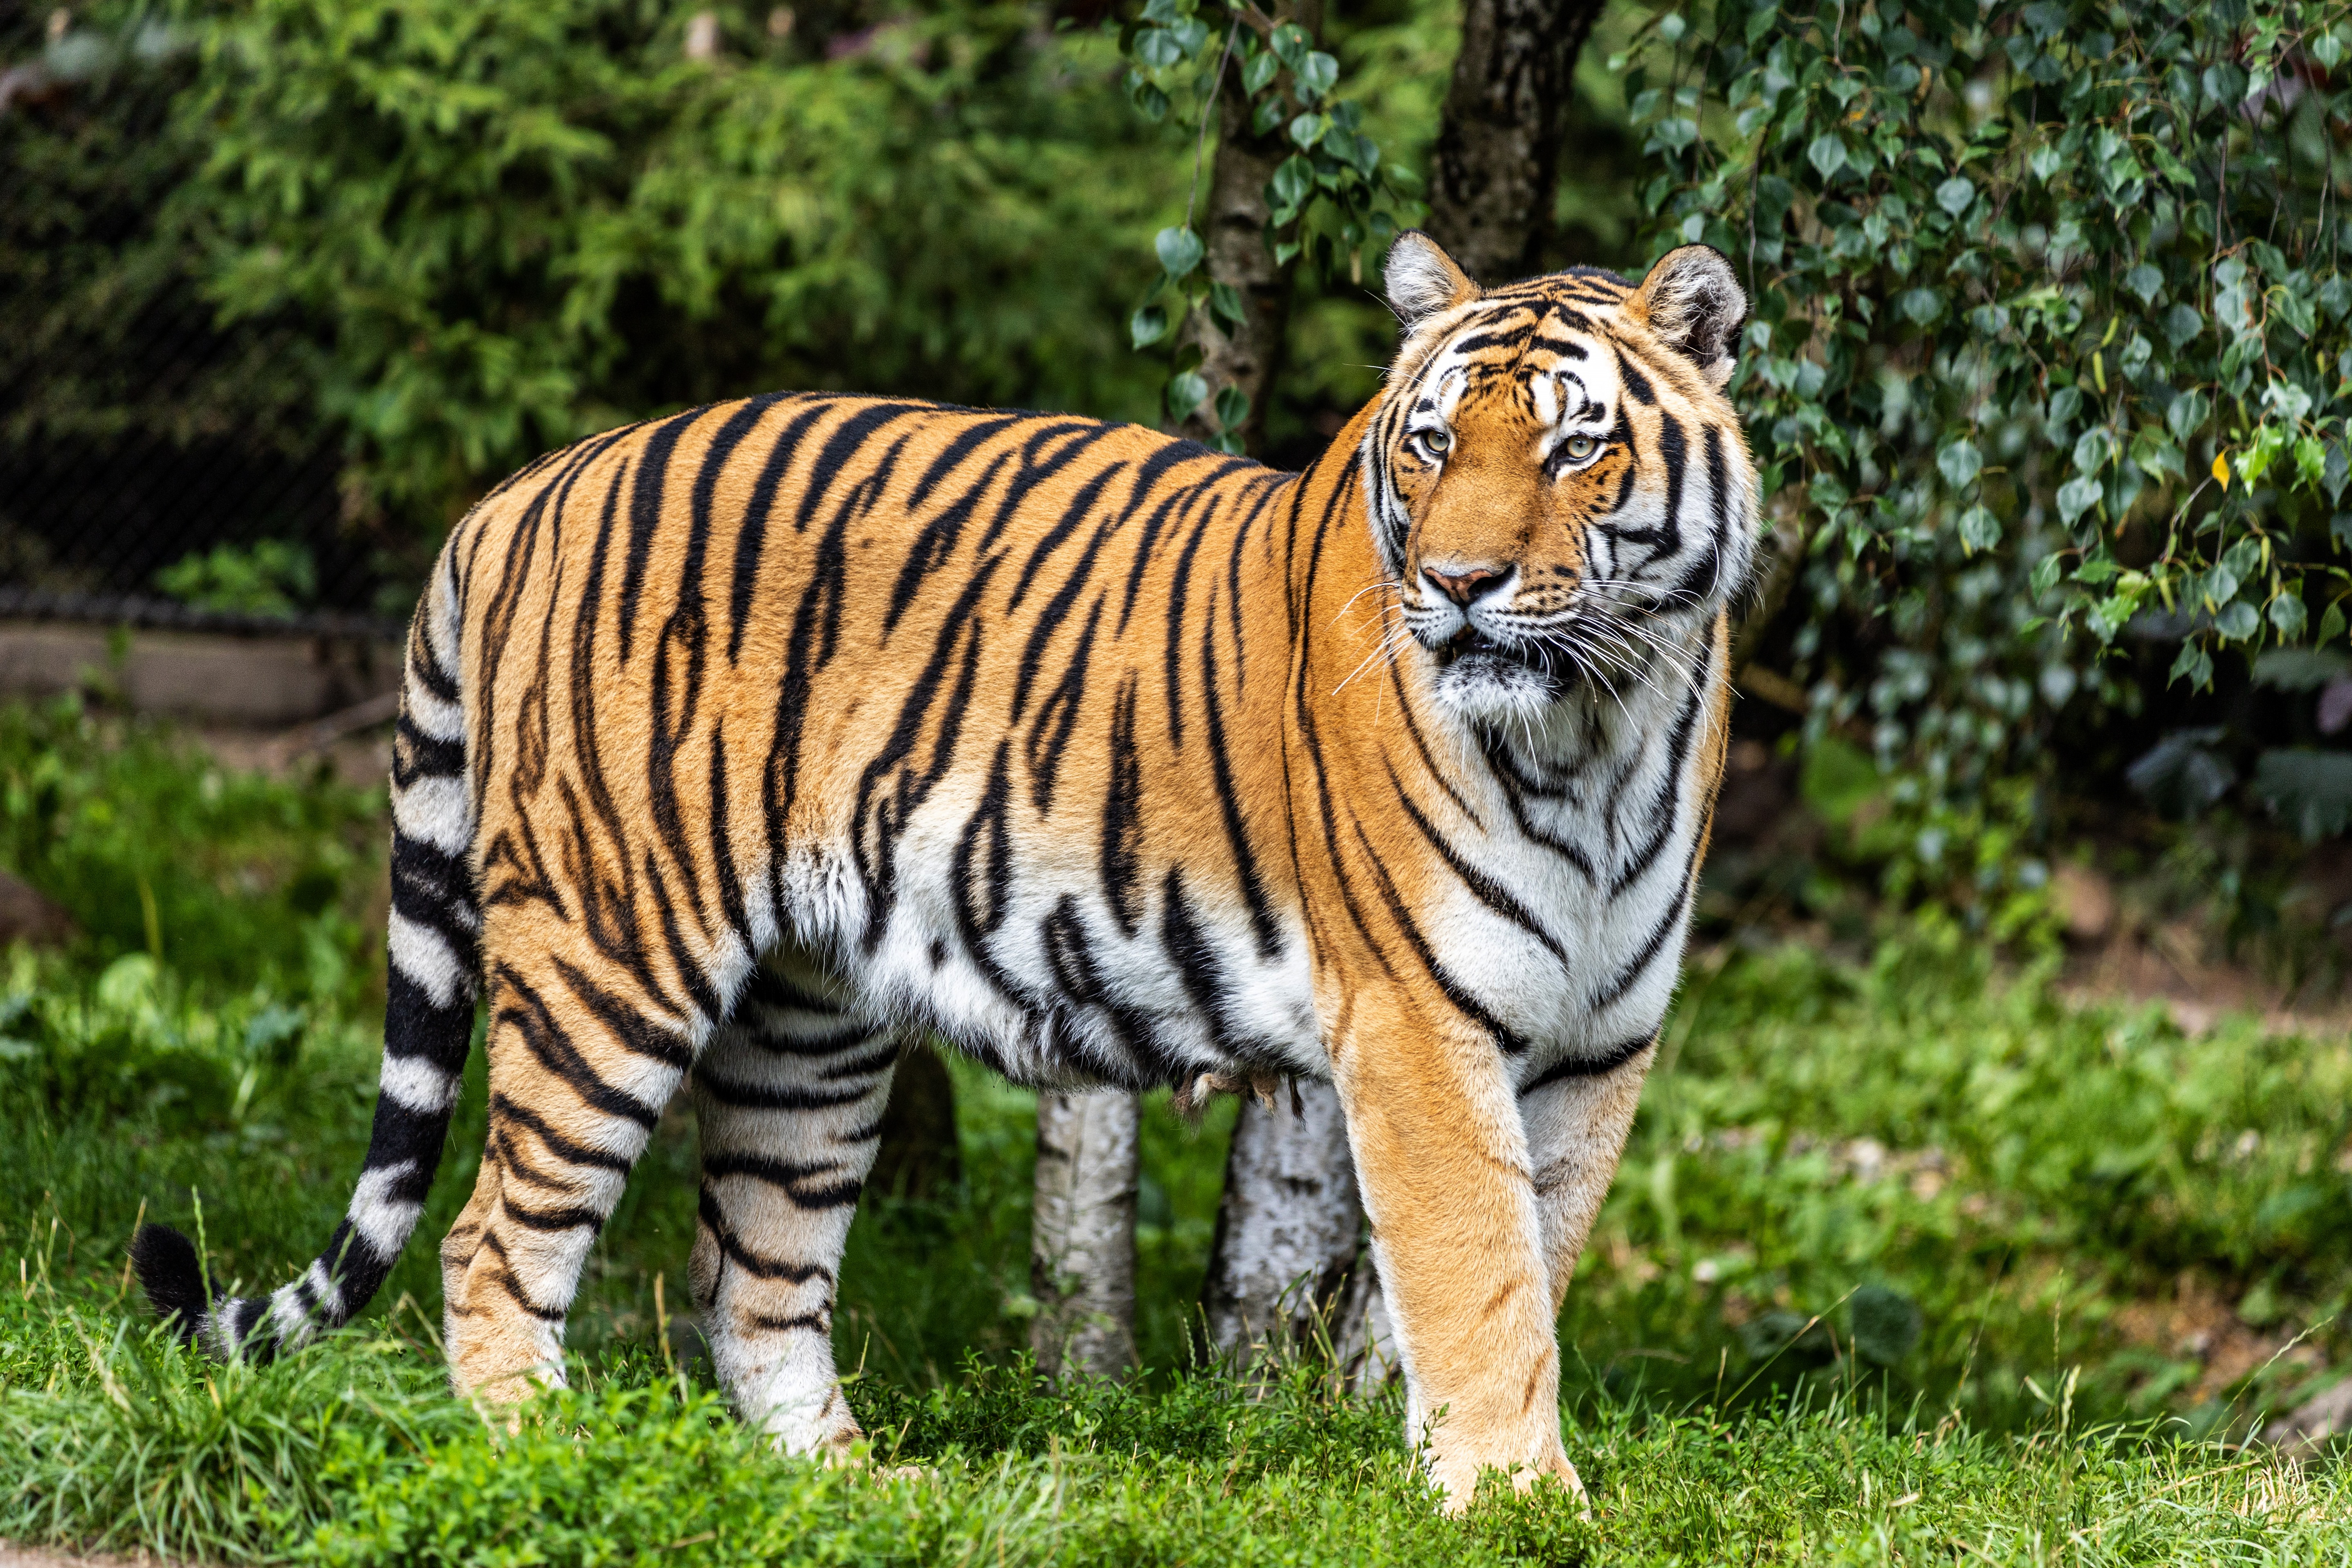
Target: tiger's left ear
{"x":1691,"y":303}
{"x":1423,"y":280}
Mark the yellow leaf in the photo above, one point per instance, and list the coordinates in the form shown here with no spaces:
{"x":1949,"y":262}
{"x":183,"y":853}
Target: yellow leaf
{"x":2221,"y":469}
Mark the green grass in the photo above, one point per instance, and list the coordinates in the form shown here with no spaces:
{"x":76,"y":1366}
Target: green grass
{"x":1884,"y":1277}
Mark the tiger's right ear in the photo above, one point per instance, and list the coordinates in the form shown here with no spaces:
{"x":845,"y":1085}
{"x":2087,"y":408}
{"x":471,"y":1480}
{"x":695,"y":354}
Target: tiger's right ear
{"x":1423,"y":280}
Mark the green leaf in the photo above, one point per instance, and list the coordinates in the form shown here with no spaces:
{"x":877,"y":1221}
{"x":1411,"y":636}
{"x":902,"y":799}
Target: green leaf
{"x":1259,"y":71}
{"x":1186,"y":392}
{"x":1955,"y":195}
{"x":1959,"y":463}
{"x":1307,"y":129}
{"x":2288,"y":615}
{"x":1979,"y":530}
{"x":1180,"y":251}
{"x":2144,"y":281}
{"x":1147,"y":326}
{"x":2077,"y":495}
{"x":2045,"y":575}
{"x":1226,"y":304}
{"x":1232,"y":407}
{"x":1292,"y":42}
{"x":2187,"y":415}
{"x":1158,"y":47}
{"x":1827,"y":154}
{"x":1293,"y":182}
{"x":1316,"y":74}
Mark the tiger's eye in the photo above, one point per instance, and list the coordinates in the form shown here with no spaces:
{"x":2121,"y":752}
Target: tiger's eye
{"x":1439,"y":442}
{"x":1580,"y":447}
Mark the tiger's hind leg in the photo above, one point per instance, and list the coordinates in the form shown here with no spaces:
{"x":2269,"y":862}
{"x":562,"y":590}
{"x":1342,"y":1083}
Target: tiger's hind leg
{"x":790,"y":1097}
{"x":585,"y":1051}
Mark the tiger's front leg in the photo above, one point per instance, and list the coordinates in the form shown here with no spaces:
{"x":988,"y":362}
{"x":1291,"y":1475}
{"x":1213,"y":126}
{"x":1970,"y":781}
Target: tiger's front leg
{"x":789,"y":1096}
{"x":1442,"y":1158}
{"x":1576,"y":1135}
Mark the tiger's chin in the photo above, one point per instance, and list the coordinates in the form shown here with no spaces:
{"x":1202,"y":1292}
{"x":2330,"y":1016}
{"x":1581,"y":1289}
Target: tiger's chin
{"x":1497,"y":682}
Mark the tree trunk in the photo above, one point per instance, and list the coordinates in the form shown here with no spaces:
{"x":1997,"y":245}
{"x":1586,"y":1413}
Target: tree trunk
{"x":1082,"y":1234}
{"x":1232,"y":228}
{"x":1288,"y":1231}
{"x":919,"y":1156}
{"x":1494,"y":174}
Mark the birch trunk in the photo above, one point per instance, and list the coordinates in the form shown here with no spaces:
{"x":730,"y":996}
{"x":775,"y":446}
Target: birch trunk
{"x":1233,"y":229}
{"x":1288,"y":1231}
{"x":1082,"y":1229}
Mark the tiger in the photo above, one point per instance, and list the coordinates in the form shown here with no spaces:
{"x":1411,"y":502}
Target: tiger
{"x":742,"y":749}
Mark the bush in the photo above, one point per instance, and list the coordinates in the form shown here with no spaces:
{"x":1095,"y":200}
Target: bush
{"x":2050,"y":356}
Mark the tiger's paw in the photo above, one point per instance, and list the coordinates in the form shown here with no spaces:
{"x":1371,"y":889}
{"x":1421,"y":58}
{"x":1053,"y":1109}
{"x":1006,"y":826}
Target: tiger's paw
{"x":1457,"y":1477}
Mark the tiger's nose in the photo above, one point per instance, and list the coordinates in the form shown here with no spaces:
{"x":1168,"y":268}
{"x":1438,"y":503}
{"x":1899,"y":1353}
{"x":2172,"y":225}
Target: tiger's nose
{"x":1465,"y":584}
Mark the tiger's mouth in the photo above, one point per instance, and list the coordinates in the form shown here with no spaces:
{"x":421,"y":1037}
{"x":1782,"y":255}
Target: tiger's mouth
{"x":1472,"y":647}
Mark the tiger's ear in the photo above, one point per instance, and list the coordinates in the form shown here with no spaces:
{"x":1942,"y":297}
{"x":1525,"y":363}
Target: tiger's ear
{"x":1693,"y":304}
{"x":1423,"y":280}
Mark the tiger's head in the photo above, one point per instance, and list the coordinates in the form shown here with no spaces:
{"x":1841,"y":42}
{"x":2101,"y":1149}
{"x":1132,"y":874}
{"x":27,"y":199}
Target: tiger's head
{"x":1558,"y":485}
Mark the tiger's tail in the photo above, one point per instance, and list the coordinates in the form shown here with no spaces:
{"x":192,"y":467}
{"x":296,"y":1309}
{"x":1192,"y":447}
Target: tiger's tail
{"x":428,"y":1027}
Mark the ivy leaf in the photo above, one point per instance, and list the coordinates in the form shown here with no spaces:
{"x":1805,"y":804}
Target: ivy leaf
{"x":2045,"y":575}
{"x":1185,"y":392}
{"x":2144,"y":281}
{"x":2077,"y":495}
{"x":2045,"y":160}
{"x":2182,"y":324}
{"x":2155,"y":457}
{"x":1955,"y":195}
{"x":1147,"y":326}
{"x":1827,"y":154}
{"x":1307,"y":129}
{"x":1259,"y":71}
{"x":1232,"y":407}
{"x":1293,"y":183}
{"x":1292,"y":42}
{"x":1959,"y":462}
{"x":1979,"y":530}
{"x":1921,"y":305}
{"x":1226,"y":304}
{"x":2187,"y":415}
{"x":2093,"y":448}
{"x":1158,"y":47}
{"x":1180,"y":251}
{"x":1317,"y":75}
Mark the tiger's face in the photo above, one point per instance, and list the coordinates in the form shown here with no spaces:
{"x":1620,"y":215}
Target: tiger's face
{"x":1559,"y":488}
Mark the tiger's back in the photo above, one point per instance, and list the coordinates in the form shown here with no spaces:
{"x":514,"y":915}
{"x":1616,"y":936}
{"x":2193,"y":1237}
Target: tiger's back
{"x":964,"y":702}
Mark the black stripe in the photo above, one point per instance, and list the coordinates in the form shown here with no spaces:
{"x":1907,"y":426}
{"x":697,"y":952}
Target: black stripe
{"x":1489,"y":892}
{"x":751,"y":537}
{"x":645,"y":515}
{"x":1607,"y":1062}
{"x":1508,"y":1039}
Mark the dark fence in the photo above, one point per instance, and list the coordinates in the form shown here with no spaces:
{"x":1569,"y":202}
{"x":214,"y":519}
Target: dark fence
{"x":157,"y":466}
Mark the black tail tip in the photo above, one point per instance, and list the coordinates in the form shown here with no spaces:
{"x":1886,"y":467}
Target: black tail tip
{"x":172,"y":1274}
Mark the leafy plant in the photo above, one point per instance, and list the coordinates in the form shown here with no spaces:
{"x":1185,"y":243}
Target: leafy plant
{"x":2050,"y":350}
{"x":1328,"y":202}
{"x":269,"y":577}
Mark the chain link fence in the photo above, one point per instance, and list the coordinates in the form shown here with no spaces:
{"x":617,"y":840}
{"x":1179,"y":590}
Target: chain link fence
{"x":158,"y":467}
